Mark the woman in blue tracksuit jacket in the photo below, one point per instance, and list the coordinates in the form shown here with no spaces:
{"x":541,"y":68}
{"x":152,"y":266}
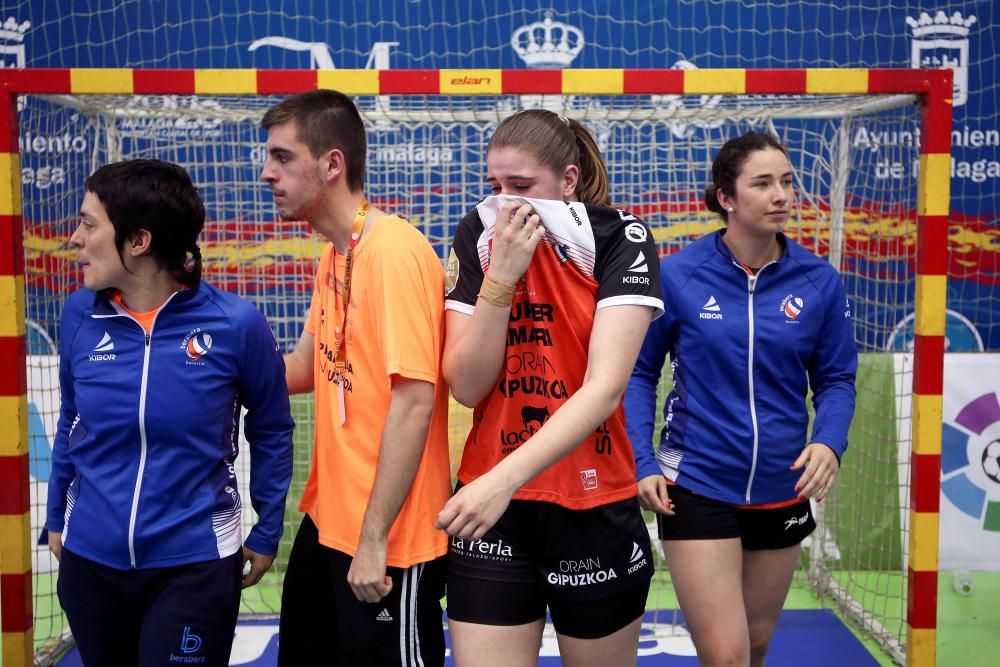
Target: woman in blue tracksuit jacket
{"x":155,"y":368}
{"x":752,"y":321}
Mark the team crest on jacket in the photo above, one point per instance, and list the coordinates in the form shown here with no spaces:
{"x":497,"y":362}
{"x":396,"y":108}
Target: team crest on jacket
{"x":196,"y":345}
{"x":791,"y":306}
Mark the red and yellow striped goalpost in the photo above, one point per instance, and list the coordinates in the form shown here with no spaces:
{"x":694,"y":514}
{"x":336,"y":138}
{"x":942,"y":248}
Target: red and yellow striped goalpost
{"x":933,"y":87}
{"x":15,"y":520}
{"x":933,"y":189}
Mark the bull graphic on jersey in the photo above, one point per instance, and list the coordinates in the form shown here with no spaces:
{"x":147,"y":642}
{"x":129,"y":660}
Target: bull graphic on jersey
{"x":532,"y":414}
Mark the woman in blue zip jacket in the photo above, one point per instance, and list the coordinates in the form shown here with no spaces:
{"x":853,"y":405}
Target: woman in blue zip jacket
{"x":155,"y":368}
{"x":752,"y":321}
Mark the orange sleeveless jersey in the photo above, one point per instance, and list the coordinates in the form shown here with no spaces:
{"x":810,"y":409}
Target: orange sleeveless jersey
{"x":591,"y":257}
{"x":395,"y":327}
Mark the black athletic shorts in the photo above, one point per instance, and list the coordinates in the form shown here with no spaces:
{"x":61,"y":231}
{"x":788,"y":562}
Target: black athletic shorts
{"x":591,"y":568}
{"x":699,"y":518}
{"x":322,"y":623}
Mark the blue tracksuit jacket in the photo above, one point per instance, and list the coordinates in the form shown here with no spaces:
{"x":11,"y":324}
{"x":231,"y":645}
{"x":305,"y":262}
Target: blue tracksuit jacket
{"x":744,"y":350}
{"x":142,"y":470}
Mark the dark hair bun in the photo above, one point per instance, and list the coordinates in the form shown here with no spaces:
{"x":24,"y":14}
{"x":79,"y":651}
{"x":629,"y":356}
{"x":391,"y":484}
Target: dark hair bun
{"x":712,"y":200}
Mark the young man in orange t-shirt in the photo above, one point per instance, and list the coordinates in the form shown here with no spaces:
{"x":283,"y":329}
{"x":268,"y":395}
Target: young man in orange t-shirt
{"x":366,"y":574}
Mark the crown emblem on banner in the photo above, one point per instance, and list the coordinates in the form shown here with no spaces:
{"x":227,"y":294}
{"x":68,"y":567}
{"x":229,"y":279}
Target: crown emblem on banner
{"x":12,"y":31}
{"x":941,"y":24}
{"x":547,"y":44}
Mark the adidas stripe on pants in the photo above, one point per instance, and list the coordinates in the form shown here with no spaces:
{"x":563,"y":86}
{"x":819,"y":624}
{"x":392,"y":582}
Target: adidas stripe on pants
{"x":323,"y":623}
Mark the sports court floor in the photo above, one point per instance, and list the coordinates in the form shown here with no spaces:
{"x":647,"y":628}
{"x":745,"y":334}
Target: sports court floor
{"x":968,"y":636}
{"x":833,"y":644}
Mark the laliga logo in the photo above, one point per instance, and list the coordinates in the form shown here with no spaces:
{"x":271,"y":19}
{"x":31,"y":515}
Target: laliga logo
{"x":970,"y":460}
{"x":547,"y":44}
{"x":942,"y":42}
{"x":792,"y":306}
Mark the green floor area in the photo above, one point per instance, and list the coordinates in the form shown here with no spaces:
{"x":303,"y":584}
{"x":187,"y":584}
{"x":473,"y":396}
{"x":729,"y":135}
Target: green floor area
{"x":969,"y":626}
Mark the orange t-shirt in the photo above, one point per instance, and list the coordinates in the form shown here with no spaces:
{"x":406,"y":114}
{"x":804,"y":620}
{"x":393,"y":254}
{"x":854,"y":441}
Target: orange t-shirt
{"x":395,"y":327}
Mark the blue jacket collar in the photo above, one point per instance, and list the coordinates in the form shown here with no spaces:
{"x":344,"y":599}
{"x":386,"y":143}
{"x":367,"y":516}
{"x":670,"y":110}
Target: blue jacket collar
{"x":721,"y":246}
{"x":103,"y":305}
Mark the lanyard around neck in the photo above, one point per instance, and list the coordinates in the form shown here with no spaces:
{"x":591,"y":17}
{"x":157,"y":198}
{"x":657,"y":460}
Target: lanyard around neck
{"x":340,"y":351}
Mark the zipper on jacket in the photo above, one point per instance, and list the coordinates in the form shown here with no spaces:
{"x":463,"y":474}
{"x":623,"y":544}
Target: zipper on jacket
{"x":142,"y":452}
{"x":142,"y":433}
{"x":147,"y":335}
{"x":751,"y":285}
{"x":751,"y":288}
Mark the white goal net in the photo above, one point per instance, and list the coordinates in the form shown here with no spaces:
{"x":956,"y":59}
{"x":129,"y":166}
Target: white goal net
{"x":426,"y":163}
